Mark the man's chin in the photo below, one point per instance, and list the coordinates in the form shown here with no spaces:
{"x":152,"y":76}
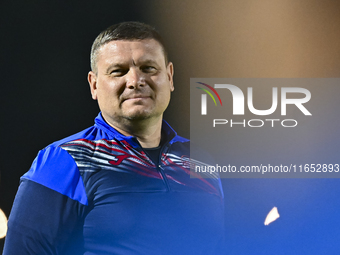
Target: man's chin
{"x":138,"y":116}
{"x":139,"y":113}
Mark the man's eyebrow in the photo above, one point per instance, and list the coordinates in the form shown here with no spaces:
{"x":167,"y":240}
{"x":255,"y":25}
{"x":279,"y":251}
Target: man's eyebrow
{"x":148,"y":62}
{"x":141,"y":62}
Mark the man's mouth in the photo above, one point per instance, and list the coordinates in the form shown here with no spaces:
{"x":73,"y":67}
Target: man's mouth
{"x":136,"y":97}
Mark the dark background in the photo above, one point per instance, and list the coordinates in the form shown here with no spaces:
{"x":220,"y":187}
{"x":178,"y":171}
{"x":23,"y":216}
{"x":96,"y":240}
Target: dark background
{"x":44,"y":54}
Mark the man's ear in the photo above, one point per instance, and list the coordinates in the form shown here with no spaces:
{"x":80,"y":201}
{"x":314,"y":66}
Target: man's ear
{"x":170,"y":73}
{"x":92,"y":79}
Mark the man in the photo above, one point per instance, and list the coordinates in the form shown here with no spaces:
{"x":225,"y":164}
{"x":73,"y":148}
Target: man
{"x":122,"y":186}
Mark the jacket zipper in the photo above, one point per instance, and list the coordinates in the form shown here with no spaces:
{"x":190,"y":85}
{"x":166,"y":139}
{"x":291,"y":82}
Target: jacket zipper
{"x":159,"y":165}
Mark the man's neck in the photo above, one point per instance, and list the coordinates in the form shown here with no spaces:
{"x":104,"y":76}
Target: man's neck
{"x":148,"y":132}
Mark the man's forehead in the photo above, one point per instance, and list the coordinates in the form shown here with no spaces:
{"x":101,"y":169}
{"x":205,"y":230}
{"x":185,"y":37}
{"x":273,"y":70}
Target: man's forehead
{"x":120,"y":50}
{"x":117,"y":46}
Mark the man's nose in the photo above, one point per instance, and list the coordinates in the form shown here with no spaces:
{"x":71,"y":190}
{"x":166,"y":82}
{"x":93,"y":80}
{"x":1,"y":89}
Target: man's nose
{"x":135,"y":78}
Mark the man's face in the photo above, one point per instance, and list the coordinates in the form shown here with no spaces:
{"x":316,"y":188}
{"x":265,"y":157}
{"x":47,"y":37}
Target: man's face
{"x":132,"y":81}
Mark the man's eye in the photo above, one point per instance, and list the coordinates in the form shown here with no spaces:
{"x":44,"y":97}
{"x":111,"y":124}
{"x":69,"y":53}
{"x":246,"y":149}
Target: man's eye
{"x":148,"y":69}
{"x":118,"y":72}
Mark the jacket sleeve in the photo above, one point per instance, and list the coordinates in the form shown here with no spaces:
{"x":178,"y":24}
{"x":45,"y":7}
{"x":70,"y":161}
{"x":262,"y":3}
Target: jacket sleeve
{"x":47,"y":214}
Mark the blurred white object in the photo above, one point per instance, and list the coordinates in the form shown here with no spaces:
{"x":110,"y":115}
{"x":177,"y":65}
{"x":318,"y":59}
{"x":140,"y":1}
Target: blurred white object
{"x":272,"y":216}
{"x":3,"y":224}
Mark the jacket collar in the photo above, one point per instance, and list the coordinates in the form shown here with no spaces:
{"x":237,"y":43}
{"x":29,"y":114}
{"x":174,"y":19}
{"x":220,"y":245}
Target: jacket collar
{"x":167,"y":131}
